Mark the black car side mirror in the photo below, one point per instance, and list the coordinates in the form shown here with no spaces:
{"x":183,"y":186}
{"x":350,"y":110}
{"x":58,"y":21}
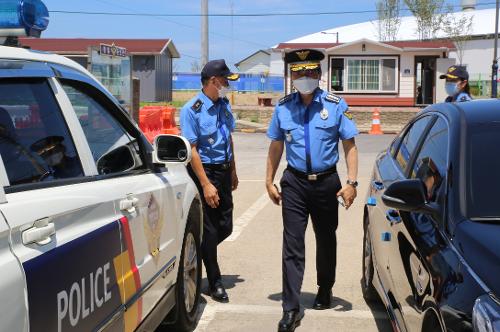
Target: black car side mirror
{"x":171,"y":148}
{"x":406,"y":195}
{"x":117,"y":160}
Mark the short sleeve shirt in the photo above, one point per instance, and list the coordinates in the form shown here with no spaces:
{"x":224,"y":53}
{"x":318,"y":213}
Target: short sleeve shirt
{"x":328,"y":121}
{"x":209,"y":125}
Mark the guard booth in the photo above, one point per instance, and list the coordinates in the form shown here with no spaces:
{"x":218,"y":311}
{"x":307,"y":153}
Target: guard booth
{"x":111,"y":65}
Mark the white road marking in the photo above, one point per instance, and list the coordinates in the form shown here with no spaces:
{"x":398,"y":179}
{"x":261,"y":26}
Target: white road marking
{"x":207,"y":315}
{"x":211,"y":309}
{"x":240,"y":223}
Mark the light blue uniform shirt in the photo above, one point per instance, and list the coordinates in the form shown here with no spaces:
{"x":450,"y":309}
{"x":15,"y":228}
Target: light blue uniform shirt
{"x":318,"y":127}
{"x":462,"y":96}
{"x":208,"y":125}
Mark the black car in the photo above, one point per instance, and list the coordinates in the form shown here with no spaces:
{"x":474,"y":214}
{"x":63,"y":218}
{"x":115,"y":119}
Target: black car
{"x":432,"y":221}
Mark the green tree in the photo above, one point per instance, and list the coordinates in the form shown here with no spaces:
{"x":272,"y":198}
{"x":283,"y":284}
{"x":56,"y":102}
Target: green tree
{"x":389,"y":19}
{"x":458,"y":28}
{"x":430,"y":15}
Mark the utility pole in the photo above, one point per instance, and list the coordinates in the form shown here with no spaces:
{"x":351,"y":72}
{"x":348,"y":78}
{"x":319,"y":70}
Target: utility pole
{"x":204,"y":32}
{"x":494,"y":74}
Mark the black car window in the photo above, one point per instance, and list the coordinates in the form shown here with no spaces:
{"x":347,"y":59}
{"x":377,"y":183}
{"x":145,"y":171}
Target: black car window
{"x":114,"y":150}
{"x":35,"y":143}
{"x":431,"y":162}
{"x":410,"y":141}
{"x":483,"y":176}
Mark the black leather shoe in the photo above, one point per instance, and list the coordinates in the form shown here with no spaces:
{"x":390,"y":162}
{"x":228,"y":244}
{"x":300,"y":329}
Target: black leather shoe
{"x":289,"y":321}
{"x":219,"y":294}
{"x":323,"y":299}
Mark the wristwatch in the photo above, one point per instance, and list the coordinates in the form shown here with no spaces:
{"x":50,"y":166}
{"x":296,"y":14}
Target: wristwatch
{"x":352,"y":183}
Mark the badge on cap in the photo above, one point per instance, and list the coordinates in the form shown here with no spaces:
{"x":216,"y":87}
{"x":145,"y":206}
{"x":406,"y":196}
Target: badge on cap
{"x":288,"y":136}
{"x":211,"y":141}
{"x":324,"y":114}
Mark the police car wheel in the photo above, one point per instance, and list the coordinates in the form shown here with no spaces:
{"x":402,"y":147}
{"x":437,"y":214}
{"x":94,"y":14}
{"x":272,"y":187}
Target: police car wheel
{"x":188,"y":280}
{"x":369,"y":292}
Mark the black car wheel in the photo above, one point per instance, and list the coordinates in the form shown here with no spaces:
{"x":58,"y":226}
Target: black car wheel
{"x":369,"y":292}
{"x":188,"y":288}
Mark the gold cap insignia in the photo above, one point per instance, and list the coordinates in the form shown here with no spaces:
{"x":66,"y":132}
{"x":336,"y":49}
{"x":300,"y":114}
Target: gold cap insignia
{"x":302,"y":55}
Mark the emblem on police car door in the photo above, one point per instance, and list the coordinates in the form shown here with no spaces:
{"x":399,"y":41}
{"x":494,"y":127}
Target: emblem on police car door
{"x":153,"y":226}
{"x":324,"y":114}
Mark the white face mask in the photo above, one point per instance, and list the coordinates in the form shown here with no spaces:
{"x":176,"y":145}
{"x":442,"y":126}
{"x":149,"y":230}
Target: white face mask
{"x":54,"y":159}
{"x":306,"y":85}
{"x":223,"y":91}
{"x":451,"y":88}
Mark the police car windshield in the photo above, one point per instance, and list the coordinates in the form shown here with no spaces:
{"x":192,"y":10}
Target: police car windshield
{"x":483,"y":177}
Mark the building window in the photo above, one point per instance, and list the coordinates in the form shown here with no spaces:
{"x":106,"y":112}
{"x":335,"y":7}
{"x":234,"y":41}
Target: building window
{"x":362,"y":74}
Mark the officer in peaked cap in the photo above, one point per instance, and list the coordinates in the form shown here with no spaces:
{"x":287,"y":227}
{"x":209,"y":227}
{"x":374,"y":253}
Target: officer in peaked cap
{"x":457,"y":84}
{"x":309,"y":123}
{"x":207,"y":122}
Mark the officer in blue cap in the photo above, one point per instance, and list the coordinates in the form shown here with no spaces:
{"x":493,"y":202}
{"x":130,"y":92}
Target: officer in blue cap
{"x":310,"y":123}
{"x":207,"y":122}
{"x":457,"y":84}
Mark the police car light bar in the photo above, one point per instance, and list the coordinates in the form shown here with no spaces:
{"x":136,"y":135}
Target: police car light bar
{"x":23,"y":18}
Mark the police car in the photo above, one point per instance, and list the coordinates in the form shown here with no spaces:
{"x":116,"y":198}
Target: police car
{"x":99,"y":230}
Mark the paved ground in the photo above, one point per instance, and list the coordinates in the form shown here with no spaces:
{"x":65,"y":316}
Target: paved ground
{"x":251,"y":258}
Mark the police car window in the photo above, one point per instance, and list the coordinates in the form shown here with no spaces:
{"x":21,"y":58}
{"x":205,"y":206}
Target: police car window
{"x":35,"y":143}
{"x":410,"y":141}
{"x":431,"y":163}
{"x":113,"y":148}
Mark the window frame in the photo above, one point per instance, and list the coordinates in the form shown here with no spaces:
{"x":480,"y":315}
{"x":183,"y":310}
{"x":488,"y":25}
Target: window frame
{"x":418,"y":144}
{"x":345,"y":74}
{"x":90,"y":173}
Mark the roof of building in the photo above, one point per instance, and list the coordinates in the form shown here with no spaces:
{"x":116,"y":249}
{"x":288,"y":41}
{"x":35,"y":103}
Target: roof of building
{"x":483,"y":23}
{"x":250,"y":56}
{"x":77,"y":46}
{"x":402,"y":45}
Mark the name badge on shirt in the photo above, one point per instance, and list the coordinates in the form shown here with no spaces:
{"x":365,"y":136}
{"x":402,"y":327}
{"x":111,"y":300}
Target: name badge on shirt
{"x":211,"y":141}
{"x":288,"y":136}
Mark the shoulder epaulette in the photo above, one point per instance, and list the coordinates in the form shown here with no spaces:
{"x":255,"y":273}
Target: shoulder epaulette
{"x":333,"y":98}
{"x":197,"y":105}
{"x":285,"y":99}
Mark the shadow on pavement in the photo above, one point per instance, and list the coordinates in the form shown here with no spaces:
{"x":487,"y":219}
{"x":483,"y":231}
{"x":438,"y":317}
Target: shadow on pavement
{"x":378,"y":310}
{"x":228,"y":281}
{"x":307,"y":300}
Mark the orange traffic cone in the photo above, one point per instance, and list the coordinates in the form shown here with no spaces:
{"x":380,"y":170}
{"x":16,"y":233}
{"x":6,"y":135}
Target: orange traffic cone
{"x":376,"y":130}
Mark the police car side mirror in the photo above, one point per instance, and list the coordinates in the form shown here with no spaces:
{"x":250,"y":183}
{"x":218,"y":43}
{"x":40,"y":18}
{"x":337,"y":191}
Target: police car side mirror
{"x":405,"y":195}
{"x":171,"y":148}
{"x":117,"y":160}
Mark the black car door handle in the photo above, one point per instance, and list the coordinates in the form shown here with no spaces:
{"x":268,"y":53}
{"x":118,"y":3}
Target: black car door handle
{"x":393,"y":216}
{"x":377,"y":185}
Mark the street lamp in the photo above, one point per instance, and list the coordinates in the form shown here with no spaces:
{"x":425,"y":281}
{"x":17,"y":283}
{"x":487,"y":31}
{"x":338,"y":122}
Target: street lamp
{"x":494,"y":68}
{"x":334,"y":33}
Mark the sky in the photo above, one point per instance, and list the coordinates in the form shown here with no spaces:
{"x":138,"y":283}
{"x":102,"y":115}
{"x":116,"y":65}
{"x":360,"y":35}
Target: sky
{"x":232,"y":38}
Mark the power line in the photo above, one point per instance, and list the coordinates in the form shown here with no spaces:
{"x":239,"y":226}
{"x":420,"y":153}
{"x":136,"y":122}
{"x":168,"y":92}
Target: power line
{"x":162,"y":18}
{"x":237,"y":15}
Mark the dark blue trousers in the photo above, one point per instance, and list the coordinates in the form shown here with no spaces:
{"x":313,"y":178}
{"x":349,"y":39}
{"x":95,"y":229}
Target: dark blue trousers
{"x":302,"y":198}
{"x":217,"y":223}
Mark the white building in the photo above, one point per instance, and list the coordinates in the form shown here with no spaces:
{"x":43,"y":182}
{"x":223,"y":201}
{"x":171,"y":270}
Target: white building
{"x":256,"y":63}
{"x":417,"y":64}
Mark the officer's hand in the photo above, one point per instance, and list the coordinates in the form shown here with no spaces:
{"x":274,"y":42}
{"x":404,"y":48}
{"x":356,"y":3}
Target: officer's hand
{"x":348,"y":193}
{"x":211,"y":195}
{"x":273,"y":193}
{"x":234,"y":180}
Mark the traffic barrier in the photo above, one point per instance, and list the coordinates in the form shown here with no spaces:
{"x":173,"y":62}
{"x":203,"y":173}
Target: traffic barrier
{"x":156,"y":120}
{"x":376,"y":129}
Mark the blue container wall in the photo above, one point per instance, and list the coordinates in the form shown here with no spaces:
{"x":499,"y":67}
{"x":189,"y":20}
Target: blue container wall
{"x":246,"y":83}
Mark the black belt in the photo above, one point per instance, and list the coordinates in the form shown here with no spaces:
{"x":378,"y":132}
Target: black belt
{"x":312,"y":176}
{"x":218,"y":167}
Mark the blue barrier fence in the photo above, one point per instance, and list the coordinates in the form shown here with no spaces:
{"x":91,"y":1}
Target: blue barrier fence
{"x":246,"y":83}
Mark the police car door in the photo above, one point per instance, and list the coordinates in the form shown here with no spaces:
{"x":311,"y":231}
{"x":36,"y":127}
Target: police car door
{"x":149,"y":223}
{"x":65,"y":230}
